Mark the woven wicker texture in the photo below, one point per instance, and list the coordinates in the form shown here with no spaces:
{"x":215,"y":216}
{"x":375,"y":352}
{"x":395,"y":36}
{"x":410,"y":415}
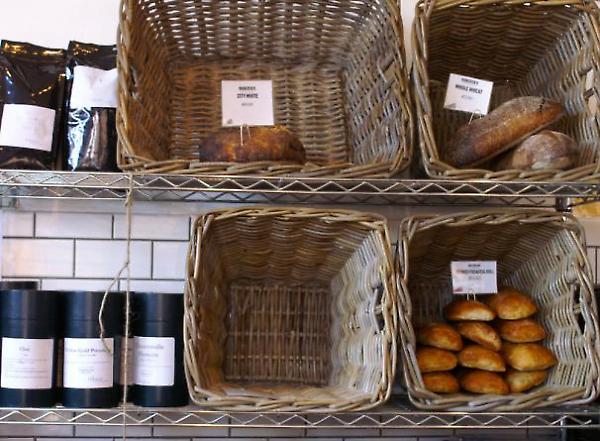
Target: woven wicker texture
{"x":339,"y":74}
{"x":544,"y":48}
{"x":537,"y":252}
{"x":290,"y":309}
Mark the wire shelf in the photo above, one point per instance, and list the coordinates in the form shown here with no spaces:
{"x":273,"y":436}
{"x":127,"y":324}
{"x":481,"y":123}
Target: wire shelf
{"x":399,"y":415}
{"x":211,"y":188}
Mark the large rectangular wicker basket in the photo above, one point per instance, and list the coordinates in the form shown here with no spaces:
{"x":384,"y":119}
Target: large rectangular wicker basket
{"x":338,"y":69}
{"x":290,"y":310}
{"x":549,"y":49}
{"x":538,"y":252}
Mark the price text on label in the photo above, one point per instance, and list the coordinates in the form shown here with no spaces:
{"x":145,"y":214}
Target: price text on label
{"x":474,"y":277}
{"x":468,"y":94}
{"x":247,"y":103}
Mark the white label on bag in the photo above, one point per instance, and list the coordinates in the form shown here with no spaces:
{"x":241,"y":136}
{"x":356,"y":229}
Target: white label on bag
{"x":247,"y":103}
{"x":468,"y":94}
{"x":29,"y":127}
{"x":93,"y":87}
{"x":474,"y":277}
{"x":27,"y":363}
{"x":154,"y":361}
{"x":87,"y":363}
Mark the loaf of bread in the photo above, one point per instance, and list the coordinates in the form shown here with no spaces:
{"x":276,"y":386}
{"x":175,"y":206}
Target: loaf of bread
{"x":545,"y":150}
{"x":441,"y":382}
{"x":468,"y":310}
{"x":503,"y":128}
{"x":523,"y":381}
{"x":435,"y":360}
{"x":478,"y":357}
{"x":440,"y":335}
{"x":528,"y":356}
{"x":481,"y":333}
{"x":251,"y":144}
{"x":520,"y":331}
{"x":483,"y":382}
{"x":510,"y":304}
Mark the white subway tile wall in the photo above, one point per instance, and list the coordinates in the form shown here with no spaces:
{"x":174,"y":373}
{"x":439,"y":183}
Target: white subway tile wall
{"x":84,"y":251}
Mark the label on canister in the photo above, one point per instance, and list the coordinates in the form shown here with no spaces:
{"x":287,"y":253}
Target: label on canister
{"x":88,"y":363}
{"x":154,"y":361}
{"x":26,"y":363}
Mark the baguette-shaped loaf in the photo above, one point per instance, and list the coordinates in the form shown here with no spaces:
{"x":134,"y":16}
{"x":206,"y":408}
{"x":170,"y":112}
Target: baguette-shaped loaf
{"x":546,"y":150}
{"x":501,"y":129}
{"x":259,"y":144}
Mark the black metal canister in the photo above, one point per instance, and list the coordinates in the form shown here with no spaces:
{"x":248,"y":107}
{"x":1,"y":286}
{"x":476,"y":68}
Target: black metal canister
{"x":28,"y":348}
{"x":159,"y":378}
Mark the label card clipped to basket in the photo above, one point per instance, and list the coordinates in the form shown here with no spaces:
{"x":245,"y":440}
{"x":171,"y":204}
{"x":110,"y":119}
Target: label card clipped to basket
{"x":474,"y":277}
{"x":468,"y":94}
{"x":247,"y":103}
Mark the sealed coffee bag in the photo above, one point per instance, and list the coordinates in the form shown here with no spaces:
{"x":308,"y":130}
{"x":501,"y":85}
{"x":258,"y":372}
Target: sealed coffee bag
{"x":91,"y":135}
{"x":32,"y":85}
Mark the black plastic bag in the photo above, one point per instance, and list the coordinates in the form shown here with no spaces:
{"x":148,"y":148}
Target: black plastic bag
{"x":91,"y":135}
{"x":32,"y":85}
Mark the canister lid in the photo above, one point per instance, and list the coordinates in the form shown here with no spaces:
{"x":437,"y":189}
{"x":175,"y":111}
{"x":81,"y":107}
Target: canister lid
{"x":85,"y":305}
{"x":151,"y":307}
{"x":19,"y":304}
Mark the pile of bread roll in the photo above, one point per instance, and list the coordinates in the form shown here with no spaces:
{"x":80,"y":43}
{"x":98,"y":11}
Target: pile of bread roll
{"x":517,"y":130}
{"x":488,"y":348}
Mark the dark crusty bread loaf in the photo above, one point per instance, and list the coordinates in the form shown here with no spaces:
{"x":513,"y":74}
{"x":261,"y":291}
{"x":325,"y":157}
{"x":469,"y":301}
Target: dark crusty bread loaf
{"x":505,"y":127}
{"x":274,"y":143}
{"x":546,"y":150}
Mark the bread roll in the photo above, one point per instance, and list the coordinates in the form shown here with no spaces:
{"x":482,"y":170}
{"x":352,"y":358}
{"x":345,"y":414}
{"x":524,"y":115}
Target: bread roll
{"x":440,"y":335}
{"x":503,"y":128}
{"x":528,"y":356}
{"x":478,"y":357}
{"x":435,"y":360}
{"x":274,"y":143}
{"x":481,"y":333}
{"x":520,"y":331}
{"x":468,"y":310}
{"x":483,"y":382}
{"x":510,"y":304}
{"x":546,"y":150}
{"x":523,"y":381}
{"x":441,"y":383}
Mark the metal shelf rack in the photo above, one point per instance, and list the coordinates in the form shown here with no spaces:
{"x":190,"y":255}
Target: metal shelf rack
{"x":397,"y":415}
{"x":212,"y":188}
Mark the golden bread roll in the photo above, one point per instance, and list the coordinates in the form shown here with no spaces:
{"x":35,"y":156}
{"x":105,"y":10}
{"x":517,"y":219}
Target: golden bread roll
{"x":441,"y":383}
{"x":503,"y":128}
{"x":478,"y":357}
{"x":483,"y":382}
{"x":435,"y":360}
{"x":468,"y":310}
{"x":528,"y":356}
{"x":510,"y":304}
{"x":520,"y":331}
{"x":523,"y":381}
{"x":481,"y":333}
{"x":440,"y":335}
{"x":269,"y":143}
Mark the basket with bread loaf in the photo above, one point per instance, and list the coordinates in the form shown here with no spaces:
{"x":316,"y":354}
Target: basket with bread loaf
{"x":544,"y":123}
{"x":532,"y":344}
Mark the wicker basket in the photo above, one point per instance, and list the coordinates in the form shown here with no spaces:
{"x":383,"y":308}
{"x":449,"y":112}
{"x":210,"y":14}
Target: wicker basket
{"x":544,"y":48}
{"x":538,"y":252}
{"x":339,"y":75}
{"x":290,"y":310}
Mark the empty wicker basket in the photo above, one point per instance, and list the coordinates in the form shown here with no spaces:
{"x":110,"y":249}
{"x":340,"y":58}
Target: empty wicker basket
{"x":549,"y":49}
{"x":538,"y":252}
{"x":290,"y":310}
{"x":340,"y":82}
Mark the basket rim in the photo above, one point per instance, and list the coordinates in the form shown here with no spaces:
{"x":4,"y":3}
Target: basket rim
{"x":512,"y":402}
{"x":403,"y":152}
{"x":434,"y":166}
{"x":387,"y":303}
